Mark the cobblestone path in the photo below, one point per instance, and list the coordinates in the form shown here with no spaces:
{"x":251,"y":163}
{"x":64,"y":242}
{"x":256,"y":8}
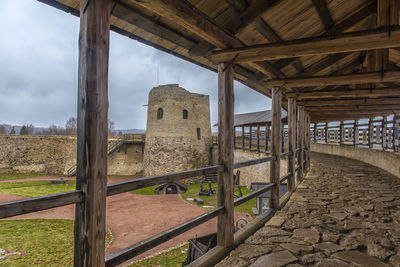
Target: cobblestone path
{"x":344,"y":213}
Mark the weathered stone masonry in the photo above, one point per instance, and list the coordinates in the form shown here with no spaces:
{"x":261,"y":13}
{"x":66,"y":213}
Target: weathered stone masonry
{"x":56,"y":154}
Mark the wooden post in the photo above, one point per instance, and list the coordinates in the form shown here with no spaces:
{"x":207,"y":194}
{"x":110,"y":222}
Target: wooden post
{"x":341,"y":133}
{"x":275,"y":146}
{"x":292,"y":142}
{"x":300,"y":131}
{"x":356,"y":133}
{"x":326,"y":133}
{"x":91,"y":175}
{"x":396,"y":122}
{"x":370,"y":133}
{"x":234,"y":137}
{"x":393,"y":132}
{"x":384,"y":133}
{"x":225,"y":153}
{"x":250,"y":137}
{"x":315,"y":132}
{"x":258,"y":138}
{"x":307,"y":139}
{"x":243,"y":137}
{"x":266,"y":137}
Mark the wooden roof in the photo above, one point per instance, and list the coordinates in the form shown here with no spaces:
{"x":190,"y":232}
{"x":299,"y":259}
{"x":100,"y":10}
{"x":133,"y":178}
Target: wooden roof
{"x":312,"y":48}
{"x":258,"y":118}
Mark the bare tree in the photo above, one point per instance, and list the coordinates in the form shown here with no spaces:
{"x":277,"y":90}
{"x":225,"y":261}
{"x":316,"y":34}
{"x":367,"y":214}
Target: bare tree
{"x":2,"y":129}
{"x":111,"y":126}
{"x":70,"y":126}
{"x":30,"y":128}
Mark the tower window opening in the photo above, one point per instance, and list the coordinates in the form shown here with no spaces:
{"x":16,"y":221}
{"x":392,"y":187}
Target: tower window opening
{"x":185,"y":114}
{"x":160,"y":113}
{"x":198,"y":134}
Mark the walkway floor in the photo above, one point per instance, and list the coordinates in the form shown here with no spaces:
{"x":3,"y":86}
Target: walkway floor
{"x":344,"y":213}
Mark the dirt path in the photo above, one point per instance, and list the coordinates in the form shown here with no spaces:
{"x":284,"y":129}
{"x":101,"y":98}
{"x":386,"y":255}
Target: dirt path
{"x":132,"y":218}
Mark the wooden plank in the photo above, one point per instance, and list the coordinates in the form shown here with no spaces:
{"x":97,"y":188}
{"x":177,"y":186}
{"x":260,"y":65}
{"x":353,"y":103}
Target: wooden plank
{"x":275,"y":145}
{"x":361,"y":102}
{"x":344,"y":79}
{"x":90,"y":217}
{"x":242,"y":20}
{"x":19,"y":207}
{"x":251,"y":162}
{"x":151,"y":242}
{"x":137,"y":183}
{"x":354,"y":108}
{"x":324,"y":13}
{"x":300,"y":140}
{"x":345,"y":42}
{"x":253,"y":194}
{"x":225,"y":154}
{"x":292,"y":107}
{"x":349,"y":92}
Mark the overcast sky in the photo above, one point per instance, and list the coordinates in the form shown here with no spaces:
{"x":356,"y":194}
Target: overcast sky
{"x":38,"y":71}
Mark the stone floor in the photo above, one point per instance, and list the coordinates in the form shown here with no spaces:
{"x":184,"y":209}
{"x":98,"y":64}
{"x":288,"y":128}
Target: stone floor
{"x":344,"y":213}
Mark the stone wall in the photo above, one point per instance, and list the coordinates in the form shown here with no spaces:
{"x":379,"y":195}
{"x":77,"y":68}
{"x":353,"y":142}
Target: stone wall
{"x":174,"y":143}
{"x":56,"y":154}
{"x":386,"y":160}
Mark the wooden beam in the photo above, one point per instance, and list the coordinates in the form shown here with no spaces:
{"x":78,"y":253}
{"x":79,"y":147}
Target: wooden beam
{"x":300,"y":140}
{"x":91,"y":177}
{"x":377,"y":101}
{"x":340,"y":27}
{"x":345,"y":42}
{"x":275,"y":146}
{"x":354,"y":107}
{"x":358,"y":78}
{"x":225,"y":154}
{"x":257,"y":8}
{"x":354,"y":93}
{"x":262,"y":27}
{"x":238,"y":5}
{"x":324,"y":13}
{"x":292,"y":142}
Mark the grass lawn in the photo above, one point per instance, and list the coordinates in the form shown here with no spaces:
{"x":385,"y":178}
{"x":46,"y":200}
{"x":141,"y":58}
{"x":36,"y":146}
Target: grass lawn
{"x":172,"y":258}
{"x":35,"y":188}
{"x":19,"y":176}
{"x":193,"y":191}
{"x":41,"y":242}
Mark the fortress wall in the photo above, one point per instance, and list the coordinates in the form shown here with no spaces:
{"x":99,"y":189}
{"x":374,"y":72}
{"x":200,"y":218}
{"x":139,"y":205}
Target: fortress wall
{"x":56,"y":154}
{"x":172,"y":142}
{"x":386,"y":160}
{"x":258,"y":172}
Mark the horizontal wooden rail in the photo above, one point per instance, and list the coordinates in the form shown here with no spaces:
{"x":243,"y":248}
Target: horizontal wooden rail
{"x":253,"y":194}
{"x":149,"y":243}
{"x":286,"y":154}
{"x":19,"y":207}
{"x":125,"y":186}
{"x":238,"y":165}
{"x":298,"y":150}
{"x":285,"y":177}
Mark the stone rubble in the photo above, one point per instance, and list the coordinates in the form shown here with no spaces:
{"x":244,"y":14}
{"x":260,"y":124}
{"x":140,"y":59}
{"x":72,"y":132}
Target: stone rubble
{"x":344,"y":213}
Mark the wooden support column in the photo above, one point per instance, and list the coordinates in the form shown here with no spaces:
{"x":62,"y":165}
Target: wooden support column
{"x":234,"y":137}
{"x":292,"y":142}
{"x":250,"y":137}
{"x":275,"y":146}
{"x":341,"y":133}
{"x":356,"y":133}
{"x":91,"y":176}
{"x":258,"y":138}
{"x":225,"y":154}
{"x":384,"y":132}
{"x":307,"y":138}
{"x":326,"y":133}
{"x":300,"y":140}
{"x":370,"y":133}
{"x":315,"y":132}
{"x":243,"y":144}
{"x":266,"y":137}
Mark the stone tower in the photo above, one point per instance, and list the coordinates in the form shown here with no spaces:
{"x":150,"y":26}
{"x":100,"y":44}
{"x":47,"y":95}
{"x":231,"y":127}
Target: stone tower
{"x":178,"y":133}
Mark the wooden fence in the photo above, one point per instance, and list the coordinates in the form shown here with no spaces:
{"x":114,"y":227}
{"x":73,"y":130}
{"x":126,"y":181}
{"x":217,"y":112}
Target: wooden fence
{"x":378,"y":133}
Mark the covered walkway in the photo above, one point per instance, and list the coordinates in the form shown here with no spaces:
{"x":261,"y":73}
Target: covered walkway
{"x":344,"y":213}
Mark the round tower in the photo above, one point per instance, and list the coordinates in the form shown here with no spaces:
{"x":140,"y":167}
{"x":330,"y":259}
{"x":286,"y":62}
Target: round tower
{"x":178,"y":133}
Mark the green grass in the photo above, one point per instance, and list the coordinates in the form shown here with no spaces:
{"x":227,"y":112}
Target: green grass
{"x":194,"y":189}
{"x":34,"y":188}
{"x":172,"y":258}
{"x":19,"y":176}
{"x":42,"y":242}
{"x":151,"y":190}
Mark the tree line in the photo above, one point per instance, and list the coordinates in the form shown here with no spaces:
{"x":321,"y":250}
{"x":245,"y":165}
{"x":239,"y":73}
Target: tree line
{"x":69,"y":129}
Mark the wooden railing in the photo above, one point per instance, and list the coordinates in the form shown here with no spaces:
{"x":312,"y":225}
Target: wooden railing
{"x":30,"y":205}
{"x":378,"y":133}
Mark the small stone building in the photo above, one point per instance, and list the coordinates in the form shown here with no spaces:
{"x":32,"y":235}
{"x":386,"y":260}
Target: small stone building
{"x":178,"y":133}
